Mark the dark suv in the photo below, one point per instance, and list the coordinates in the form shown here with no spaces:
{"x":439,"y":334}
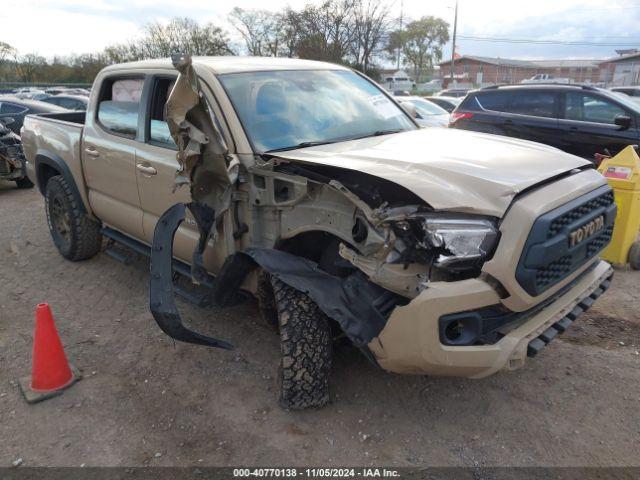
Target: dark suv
{"x":578,"y":119}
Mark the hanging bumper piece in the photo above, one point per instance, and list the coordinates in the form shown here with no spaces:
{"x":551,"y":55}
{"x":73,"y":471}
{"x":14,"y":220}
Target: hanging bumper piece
{"x":161,"y":291}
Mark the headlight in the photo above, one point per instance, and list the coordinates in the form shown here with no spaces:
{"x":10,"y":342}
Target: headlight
{"x":463,"y":243}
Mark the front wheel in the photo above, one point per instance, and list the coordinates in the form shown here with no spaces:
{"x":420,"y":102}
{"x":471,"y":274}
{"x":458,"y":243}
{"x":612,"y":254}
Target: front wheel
{"x":305,"y":344}
{"x":75,"y":235}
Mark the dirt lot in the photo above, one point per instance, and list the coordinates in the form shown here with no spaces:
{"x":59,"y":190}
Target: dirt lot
{"x":147,"y":401}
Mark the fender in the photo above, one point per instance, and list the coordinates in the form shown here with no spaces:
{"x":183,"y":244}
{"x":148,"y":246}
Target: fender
{"x":44,"y":157}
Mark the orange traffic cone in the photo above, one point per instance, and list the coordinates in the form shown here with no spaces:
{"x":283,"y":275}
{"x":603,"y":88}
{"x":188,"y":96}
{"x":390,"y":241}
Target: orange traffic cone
{"x":50,"y":370}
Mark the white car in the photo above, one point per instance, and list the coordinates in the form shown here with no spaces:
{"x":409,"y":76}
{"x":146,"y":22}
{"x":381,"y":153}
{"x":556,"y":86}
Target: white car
{"x":546,"y":78}
{"x":427,"y":114}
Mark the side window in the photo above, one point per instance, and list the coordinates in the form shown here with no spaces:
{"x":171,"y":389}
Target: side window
{"x":158,"y":128}
{"x":590,"y":108}
{"x":53,"y":101}
{"x":118,"y":108}
{"x":11,"y":108}
{"x":536,"y":103}
{"x":67,"y":103}
{"x":496,"y":101}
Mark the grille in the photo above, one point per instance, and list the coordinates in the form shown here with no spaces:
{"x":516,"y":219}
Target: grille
{"x":549,"y":257}
{"x":577,"y":213}
{"x":549,"y":274}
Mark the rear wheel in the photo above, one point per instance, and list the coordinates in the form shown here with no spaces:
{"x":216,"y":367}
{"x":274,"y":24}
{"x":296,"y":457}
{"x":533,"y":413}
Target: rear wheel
{"x":634,"y":256}
{"x":305,"y":343}
{"x":24,"y":182}
{"x":76,"y":236}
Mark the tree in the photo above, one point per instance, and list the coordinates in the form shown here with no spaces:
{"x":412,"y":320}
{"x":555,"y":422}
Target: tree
{"x":371,"y":27}
{"x":29,"y":67}
{"x":289,"y":26}
{"x":260,"y":30}
{"x":6,"y":53}
{"x":180,"y":35}
{"x":421,"y":43}
{"x":327,"y":30}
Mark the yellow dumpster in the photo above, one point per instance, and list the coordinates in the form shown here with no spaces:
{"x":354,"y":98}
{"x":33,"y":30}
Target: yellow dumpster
{"x":623,"y":174}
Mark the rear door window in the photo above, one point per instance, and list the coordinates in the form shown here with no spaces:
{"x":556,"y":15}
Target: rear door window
{"x":118,"y":109}
{"x":534,"y":103}
{"x":158,"y":129}
{"x":495,"y":101}
{"x":585,"y":107}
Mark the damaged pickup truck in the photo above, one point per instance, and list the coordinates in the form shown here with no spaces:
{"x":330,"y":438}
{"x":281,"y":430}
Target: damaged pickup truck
{"x":12,"y":165}
{"x":435,"y":251}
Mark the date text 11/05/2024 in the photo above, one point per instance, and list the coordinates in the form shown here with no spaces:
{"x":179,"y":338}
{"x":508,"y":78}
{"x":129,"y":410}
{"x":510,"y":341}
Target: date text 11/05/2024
{"x":316,"y":472}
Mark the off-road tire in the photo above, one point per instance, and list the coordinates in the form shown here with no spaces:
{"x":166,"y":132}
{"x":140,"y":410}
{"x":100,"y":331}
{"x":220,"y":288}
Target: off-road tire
{"x":266,"y":301}
{"x":24,"y":182}
{"x":305,"y":344}
{"x":82,"y":238}
{"x":634,"y":256}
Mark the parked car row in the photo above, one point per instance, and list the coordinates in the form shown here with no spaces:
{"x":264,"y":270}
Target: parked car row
{"x":70,"y":98}
{"x":14,"y":109}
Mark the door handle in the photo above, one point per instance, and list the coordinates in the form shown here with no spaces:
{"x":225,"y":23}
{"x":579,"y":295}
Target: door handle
{"x":146,"y":169}
{"x":91,"y":151}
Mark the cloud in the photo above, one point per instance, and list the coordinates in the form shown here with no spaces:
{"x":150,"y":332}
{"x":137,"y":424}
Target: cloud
{"x":63,"y":27}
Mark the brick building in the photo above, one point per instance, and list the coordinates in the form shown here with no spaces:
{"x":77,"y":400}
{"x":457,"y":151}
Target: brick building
{"x":621,"y":71}
{"x":473,"y":71}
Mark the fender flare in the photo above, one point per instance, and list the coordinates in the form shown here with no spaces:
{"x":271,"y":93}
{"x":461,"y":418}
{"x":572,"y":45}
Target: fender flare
{"x":44,"y":157}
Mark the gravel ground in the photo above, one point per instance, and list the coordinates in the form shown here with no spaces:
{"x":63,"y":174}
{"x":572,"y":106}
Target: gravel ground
{"x":146,"y":400}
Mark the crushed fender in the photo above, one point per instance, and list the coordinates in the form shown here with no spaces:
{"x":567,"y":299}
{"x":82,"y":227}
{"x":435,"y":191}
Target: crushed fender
{"x":161,"y":294}
{"x":361,"y":307}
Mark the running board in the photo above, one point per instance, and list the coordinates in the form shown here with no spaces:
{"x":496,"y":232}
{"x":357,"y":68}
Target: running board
{"x":199,"y":299}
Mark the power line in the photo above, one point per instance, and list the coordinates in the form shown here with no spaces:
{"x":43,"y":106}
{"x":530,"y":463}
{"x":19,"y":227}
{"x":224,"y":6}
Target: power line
{"x":548,"y":42}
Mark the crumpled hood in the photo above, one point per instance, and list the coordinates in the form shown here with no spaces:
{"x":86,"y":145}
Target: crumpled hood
{"x":449,"y":169}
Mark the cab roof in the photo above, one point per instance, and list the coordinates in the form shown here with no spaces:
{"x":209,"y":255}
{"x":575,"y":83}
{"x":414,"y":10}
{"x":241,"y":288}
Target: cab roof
{"x":233,"y":64}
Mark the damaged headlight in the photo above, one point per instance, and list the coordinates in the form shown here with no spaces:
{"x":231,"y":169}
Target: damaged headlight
{"x":462,"y":243}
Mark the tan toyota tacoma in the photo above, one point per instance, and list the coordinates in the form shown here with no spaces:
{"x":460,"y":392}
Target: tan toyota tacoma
{"x":435,"y":251}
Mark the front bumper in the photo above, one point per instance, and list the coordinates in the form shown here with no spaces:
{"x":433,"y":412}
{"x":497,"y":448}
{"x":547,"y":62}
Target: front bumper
{"x":410,"y":341}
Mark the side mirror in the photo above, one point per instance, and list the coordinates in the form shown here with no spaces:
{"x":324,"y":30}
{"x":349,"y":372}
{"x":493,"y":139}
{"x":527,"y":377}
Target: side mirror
{"x":623,"y":121}
{"x":7,"y":120}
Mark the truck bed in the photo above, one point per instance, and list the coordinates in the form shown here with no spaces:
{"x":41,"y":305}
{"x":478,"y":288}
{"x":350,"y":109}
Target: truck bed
{"x":77,"y":117}
{"x":57,"y":136}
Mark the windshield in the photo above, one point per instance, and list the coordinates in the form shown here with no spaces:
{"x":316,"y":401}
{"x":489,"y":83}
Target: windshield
{"x":626,"y":100}
{"x":425,"y":108}
{"x":285,"y":109}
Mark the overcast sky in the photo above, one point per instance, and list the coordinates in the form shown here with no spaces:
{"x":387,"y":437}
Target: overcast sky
{"x":63,"y":27}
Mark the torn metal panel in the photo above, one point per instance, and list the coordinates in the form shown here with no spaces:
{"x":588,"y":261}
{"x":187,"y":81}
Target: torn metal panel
{"x":406,"y":280}
{"x":202,"y":151}
{"x":358,"y":305}
{"x":161,"y":291}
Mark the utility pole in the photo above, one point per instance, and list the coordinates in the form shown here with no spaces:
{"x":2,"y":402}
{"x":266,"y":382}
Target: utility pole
{"x":400,"y":39}
{"x":453,"y":43}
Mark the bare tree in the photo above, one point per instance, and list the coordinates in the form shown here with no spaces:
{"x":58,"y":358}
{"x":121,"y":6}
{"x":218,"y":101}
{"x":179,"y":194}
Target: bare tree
{"x":259,"y":29}
{"x":327,"y":30}
{"x":29,"y":66}
{"x":180,"y":35}
{"x":371,"y":25}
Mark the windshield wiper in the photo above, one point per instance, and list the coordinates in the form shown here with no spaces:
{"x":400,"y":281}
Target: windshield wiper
{"x":379,"y":133}
{"x":301,"y":145}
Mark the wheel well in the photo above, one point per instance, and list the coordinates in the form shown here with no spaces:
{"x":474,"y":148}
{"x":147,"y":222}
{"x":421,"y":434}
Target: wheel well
{"x":45,"y":172}
{"x":309,"y":245}
{"x":319,"y":247}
